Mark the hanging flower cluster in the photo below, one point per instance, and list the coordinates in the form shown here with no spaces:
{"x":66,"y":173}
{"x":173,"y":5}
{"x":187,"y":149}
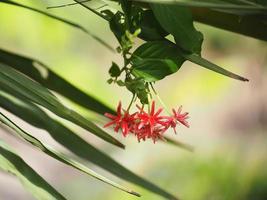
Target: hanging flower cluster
{"x":146,"y":125}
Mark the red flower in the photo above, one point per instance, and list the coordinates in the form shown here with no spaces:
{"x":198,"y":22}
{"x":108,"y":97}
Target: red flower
{"x":145,"y":132}
{"x":145,"y":125}
{"x":181,"y":117}
{"x":150,"y":125}
{"x":127,"y":123}
{"x":171,"y":122}
{"x":116,"y":119}
{"x":123,"y":122}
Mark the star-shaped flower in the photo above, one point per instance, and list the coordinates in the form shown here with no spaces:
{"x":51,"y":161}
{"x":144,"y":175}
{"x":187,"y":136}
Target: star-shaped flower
{"x":181,"y":117}
{"x":123,"y":122}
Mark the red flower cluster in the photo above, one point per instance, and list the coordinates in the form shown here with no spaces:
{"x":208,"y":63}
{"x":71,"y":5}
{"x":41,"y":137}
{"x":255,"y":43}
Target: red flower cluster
{"x":146,"y":124}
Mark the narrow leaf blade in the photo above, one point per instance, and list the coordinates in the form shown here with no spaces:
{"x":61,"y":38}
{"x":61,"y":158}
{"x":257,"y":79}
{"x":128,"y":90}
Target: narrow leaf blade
{"x":20,"y":85}
{"x":43,"y":75}
{"x":33,"y":182}
{"x":58,"y":156}
{"x":70,"y":140}
{"x":213,"y":67}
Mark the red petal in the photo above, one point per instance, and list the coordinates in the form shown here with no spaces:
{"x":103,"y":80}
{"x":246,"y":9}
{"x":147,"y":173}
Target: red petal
{"x":109,"y":124}
{"x":110,"y":116}
{"x":119,"y":109}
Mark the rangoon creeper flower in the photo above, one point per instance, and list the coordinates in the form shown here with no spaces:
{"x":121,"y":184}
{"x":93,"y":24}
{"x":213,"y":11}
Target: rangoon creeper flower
{"x":146,"y":125}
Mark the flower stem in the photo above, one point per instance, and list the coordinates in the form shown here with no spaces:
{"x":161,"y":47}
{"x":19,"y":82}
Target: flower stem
{"x":160,"y":100}
{"x":131,"y":103}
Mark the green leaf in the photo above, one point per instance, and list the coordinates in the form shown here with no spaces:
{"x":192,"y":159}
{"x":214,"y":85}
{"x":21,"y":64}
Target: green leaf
{"x":114,"y":70}
{"x":214,"y":4}
{"x":137,"y":86}
{"x":117,"y":26}
{"x":150,"y":27}
{"x":32,"y":114}
{"x":207,"y":64}
{"x":153,"y":70}
{"x":163,"y":49}
{"x":178,"y":21}
{"x":43,"y":75}
{"x":248,"y":19}
{"x":58,"y":156}
{"x":19,"y":85}
{"x":61,"y":20}
{"x":249,"y":25}
{"x":120,"y":83}
{"x":155,"y":60}
{"x":33,"y":182}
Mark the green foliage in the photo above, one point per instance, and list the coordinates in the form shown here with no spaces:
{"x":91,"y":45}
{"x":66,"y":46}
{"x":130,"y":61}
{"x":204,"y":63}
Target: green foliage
{"x":21,"y":86}
{"x":14,"y":164}
{"x":114,"y":70}
{"x":207,"y":64}
{"x":26,"y":84}
{"x":43,"y":75}
{"x":178,"y":21}
{"x":58,"y":156}
{"x":153,"y":61}
{"x":35,"y":116}
{"x":150,"y":27}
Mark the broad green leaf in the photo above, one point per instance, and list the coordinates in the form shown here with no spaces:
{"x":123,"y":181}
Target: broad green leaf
{"x":163,"y":49}
{"x":155,"y":60}
{"x":58,"y":156}
{"x":32,"y":114}
{"x":11,"y":163}
{"x":178,"y":21}
{"x":150,"y":27}
{"x":252,"y":22}
{"x":43,"y":75}
{"x":152,"y":70}
{"x":61,"y":20}
{"x":18,"y":84}
{"x":207,"y":64}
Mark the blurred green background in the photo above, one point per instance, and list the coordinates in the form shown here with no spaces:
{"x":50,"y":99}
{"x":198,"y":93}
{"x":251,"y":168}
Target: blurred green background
{"x":228,"y":118}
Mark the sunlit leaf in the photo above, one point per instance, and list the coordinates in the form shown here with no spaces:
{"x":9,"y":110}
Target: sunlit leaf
{"x":11,"y":163}
{"x":58,"y":156}
{"x":42,"y":74}
{"x":13,"y":82}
